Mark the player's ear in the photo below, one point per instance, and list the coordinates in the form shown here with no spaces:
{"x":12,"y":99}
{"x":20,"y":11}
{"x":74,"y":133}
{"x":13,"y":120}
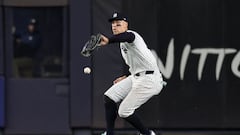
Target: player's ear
{"x":126,"y":24}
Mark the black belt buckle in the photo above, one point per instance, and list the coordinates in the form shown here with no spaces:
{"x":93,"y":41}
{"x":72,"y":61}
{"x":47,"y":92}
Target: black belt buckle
{"x":146,"y":72}
{"x":149,"y":72}
{"x":137,"y":74}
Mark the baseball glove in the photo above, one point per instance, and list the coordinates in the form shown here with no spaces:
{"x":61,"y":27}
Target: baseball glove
{"x":90,"y":45}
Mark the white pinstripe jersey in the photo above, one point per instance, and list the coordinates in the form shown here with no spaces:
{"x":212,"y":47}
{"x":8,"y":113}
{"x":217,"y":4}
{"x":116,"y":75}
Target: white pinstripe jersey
{"x":137,"y":55}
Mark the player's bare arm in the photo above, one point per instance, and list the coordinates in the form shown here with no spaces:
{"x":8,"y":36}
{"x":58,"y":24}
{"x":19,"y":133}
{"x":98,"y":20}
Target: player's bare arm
{"x":119,"y":79}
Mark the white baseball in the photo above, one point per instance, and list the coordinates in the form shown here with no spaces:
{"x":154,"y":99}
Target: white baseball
{"x":87,"y":70}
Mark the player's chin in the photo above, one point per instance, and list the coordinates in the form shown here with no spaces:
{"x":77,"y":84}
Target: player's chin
{"x":115,"y":32}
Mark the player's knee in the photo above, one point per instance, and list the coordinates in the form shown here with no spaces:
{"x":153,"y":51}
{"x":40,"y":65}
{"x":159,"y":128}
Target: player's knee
{"x":124,"y":113}
{"x":108,"y":101}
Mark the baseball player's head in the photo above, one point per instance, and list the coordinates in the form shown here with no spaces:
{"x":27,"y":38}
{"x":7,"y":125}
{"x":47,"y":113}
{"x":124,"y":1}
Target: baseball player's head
{"x":119,"y":23}
{"x":32,"y":25}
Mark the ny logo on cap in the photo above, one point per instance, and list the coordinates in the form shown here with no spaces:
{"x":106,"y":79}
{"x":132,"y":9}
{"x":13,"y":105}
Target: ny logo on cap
{"x":115,"y":15}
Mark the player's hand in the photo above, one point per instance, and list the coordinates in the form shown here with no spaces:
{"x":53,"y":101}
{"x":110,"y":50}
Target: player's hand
{"x":104,"y":40}
{"x":119,"y":79}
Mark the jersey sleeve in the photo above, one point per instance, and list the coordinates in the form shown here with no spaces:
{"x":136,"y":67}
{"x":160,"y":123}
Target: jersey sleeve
{"x":122,"y":37}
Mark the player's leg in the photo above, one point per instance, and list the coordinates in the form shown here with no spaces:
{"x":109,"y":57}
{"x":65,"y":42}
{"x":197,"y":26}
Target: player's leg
{"x":131,"y":116}
{"x":142,"y":90}
{"x":110,"y":114}
{"x":113,"y":95}
{"x":135,"y":121}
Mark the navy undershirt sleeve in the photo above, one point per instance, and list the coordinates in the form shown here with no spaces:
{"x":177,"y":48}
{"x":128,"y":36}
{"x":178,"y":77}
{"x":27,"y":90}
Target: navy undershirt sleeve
{"x":122,"y":37}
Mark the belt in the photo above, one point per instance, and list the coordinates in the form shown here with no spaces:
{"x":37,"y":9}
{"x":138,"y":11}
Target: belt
{"x":144,"y":73}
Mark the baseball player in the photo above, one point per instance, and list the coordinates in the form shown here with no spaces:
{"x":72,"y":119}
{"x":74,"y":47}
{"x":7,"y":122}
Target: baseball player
{"x":137,"y":88}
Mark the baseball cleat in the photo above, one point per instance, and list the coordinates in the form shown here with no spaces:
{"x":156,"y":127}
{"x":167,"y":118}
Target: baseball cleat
{"x":104,"y":133}
{"x":152,"y":133}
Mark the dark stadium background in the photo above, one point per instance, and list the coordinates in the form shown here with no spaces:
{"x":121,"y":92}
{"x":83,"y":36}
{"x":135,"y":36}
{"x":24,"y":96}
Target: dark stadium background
{"x":64,"y":100}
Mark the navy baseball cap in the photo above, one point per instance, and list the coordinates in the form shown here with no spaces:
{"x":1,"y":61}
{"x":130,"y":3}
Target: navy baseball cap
{"x":118,"y":16}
